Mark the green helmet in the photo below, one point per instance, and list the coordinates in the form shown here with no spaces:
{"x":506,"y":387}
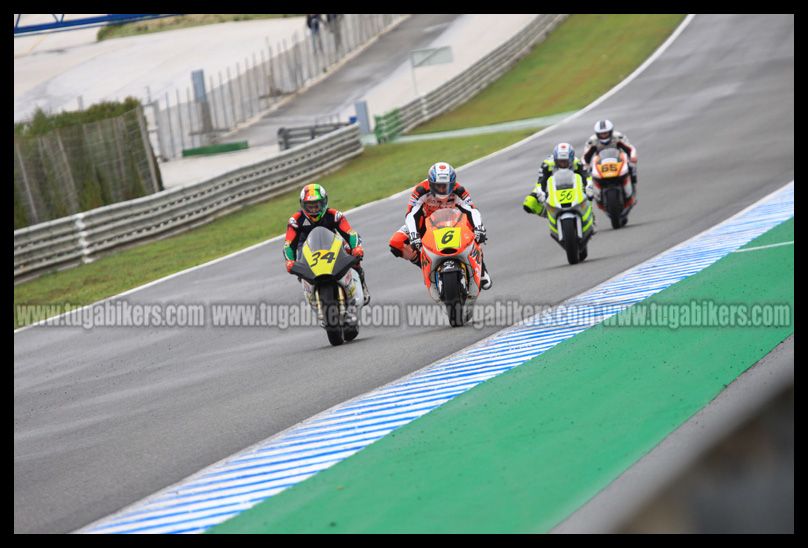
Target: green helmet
{"x":313,"y":201}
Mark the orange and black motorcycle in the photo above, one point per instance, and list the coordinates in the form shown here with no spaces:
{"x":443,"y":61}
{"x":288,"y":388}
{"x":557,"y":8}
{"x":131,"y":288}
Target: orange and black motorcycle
{"x":612,"y":182}
{"x":451,"y":262}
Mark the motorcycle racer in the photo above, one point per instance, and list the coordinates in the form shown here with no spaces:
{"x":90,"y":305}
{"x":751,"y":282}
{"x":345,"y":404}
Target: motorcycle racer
{"x":314,"y":212}
{"x":439,"y":190}
{"x":563,"y":157}
{"x":606,"y":137}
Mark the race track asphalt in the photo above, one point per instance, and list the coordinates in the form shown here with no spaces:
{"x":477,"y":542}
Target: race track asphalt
{"x":105,"y":417}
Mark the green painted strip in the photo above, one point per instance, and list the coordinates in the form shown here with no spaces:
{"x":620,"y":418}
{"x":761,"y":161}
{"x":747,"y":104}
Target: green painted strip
{"x":215,"y":149}
{"x":523,"y":450}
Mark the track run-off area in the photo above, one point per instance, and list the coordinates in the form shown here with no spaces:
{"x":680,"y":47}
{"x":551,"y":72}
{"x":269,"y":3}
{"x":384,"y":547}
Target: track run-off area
{"x":109,"y":416}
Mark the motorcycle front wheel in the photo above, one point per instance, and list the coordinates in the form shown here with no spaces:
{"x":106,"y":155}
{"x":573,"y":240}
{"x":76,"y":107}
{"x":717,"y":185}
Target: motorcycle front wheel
{"x":453,"y":298}
{"x":329,"y":300}
{"x":614,"y":207}
{"x":569,"y":229}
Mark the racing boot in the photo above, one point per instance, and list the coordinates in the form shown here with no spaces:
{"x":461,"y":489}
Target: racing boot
{"x":485,"y":279}
{"x":365,"y":290}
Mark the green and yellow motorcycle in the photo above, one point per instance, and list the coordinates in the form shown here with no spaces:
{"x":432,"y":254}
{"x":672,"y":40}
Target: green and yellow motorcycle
{"x":569,"y":213}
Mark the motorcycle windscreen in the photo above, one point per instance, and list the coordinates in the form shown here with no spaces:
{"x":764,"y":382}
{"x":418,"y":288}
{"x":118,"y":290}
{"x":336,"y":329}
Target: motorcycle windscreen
{"x":564,"y":179}
{"x":447,"y":217}
{"x":319,"y":254}
{"x":325,"y":254}
{"x":320,"y":238}
{"x":609,"y":155}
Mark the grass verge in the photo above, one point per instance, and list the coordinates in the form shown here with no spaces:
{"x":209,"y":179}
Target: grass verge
{"x":180,"y":22}
{"x":616,"y":44}
{"x":584,"y":57}
{"x":380,"y":171}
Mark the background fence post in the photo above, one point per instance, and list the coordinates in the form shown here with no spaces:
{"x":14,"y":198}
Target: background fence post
{"x":179,"y":120}
{"x":191,"y":132}
{"x":235,"y":119}
{"x":170,"y":127}
{"x":147,"y":147}
{"x":73,"y":202}
{"x":81,"y":237}
{"x":26,"y":183}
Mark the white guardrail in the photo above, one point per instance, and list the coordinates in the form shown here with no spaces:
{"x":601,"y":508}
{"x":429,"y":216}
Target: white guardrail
{"x":472,"y":80}
{"x":82,"y":237}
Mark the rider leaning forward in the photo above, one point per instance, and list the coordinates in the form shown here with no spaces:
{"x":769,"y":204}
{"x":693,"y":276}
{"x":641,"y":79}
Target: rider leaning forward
{"x":314,"y":212}
{"x":439,"y":190}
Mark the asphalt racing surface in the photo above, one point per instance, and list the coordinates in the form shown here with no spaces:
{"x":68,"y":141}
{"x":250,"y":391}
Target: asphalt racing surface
{"x":105,"y":417}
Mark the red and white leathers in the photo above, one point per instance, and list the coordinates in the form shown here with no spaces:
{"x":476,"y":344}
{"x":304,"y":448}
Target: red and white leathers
{"x":421,"y":205}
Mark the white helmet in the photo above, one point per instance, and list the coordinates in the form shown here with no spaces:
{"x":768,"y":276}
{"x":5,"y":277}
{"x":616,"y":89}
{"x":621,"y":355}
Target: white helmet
{"x":603,"y":130}
{"x":442,"y":179}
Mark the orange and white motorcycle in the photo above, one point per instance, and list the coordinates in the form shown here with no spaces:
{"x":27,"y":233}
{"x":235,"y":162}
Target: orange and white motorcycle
{"x":451,"y":262}
{"x":612,"y":182}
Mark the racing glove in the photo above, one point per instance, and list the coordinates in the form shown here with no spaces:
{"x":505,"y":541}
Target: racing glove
{"x":480,"y":235}
{"x":415,"y":241}
{"x":289,"y":265}
{"x":541,"y":197}
{"x":358,"y":251}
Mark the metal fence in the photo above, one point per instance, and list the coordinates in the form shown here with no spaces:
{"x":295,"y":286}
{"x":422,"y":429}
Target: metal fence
{"x":80,"y":167}
{"x":199,"y":117}
{"x":80,"y":238}
{"x":289,"y":137}
{"x":471,"y":81}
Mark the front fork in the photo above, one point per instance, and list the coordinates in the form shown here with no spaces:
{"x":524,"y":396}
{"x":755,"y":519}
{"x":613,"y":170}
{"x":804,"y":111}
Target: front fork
{"x":340,"y":297}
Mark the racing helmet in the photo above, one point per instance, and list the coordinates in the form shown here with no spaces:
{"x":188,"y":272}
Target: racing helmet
{"x":604,"y":130}
{"x":313,"y":201}
{"x":563,"y":155}
{"x":442,"y":179}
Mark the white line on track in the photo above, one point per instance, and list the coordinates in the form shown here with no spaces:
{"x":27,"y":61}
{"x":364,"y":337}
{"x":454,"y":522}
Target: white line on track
{"x":791,"y":242}
{"x":227,"y":488}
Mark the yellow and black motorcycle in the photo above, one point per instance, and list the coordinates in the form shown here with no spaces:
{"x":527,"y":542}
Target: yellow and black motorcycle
{"x":331,"y":286}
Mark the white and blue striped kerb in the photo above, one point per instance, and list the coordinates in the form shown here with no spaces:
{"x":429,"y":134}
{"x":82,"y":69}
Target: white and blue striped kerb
{"x":243,"y":480}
